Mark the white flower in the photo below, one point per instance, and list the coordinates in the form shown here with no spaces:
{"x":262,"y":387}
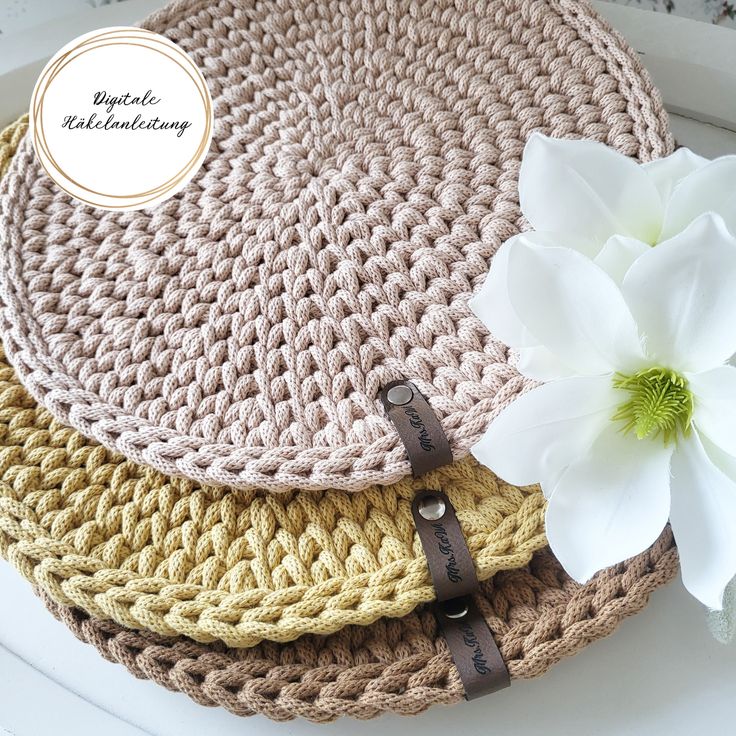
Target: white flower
{"x":593,"y":193}
{"x":637,"y":422}
{"x":586,"y":196}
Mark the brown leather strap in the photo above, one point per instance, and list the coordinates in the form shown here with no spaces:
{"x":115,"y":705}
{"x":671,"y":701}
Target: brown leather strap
{"x":418,"y":427}
{"x":473,"y":649}
{"x":450,"y":564}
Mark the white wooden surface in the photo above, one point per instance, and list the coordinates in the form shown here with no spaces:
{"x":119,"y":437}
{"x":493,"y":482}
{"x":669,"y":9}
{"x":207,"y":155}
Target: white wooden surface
{"x":660,"y":674}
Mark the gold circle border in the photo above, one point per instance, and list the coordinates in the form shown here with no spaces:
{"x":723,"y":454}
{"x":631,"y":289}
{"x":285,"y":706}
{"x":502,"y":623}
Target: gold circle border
{"x":38,"y":116}
{"x":115,"y":37}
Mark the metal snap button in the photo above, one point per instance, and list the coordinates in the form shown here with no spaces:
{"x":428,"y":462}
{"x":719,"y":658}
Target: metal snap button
{"x":399,"y":395}
{"x":431,"y":508}
{"x":455,"y":608}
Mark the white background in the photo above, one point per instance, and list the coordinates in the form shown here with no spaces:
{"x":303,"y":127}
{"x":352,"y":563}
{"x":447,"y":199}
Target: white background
{"x":660,"y":674}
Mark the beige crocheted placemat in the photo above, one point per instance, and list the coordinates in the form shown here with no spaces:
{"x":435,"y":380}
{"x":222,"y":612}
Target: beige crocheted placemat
{"x":538,"y":616}
{"x":362,"y":173}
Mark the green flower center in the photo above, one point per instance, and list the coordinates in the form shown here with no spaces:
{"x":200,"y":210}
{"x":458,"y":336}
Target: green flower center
{"x":660,"y":405}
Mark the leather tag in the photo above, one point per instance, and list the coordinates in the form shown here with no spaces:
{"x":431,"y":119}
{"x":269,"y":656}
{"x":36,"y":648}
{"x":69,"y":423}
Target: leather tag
{"x":418,"y":427}
{"x":450,"y":564}
{"x":473,"y":649}
{"x":472,"y":646}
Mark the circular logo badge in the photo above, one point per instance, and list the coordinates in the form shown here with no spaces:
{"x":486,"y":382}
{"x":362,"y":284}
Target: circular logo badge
{"x":121,"y":118}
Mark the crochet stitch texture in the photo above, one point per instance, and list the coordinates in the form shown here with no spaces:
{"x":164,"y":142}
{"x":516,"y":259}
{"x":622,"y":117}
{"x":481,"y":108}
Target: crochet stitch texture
{"x":128,"y":544}
{"x":537,"y":614}
{"x":363,"y":171}
{"x":123,"y":542}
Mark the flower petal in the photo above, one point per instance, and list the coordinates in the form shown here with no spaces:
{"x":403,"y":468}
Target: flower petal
{"x":714,"y":413}
{"x":666,"y":173}
{"x":540,"y":364}
{"x":491,"y":304}
{"x":703,"y":517}
{"x":587,"y":188}
{"x":574,"y":309}
{"x":711,"y":188}
{"x":618,"y":254}
{"x":682,"y":295}
{"x":722,"y":460}
{"x":610,"y":505}
{"x":543,"y":431}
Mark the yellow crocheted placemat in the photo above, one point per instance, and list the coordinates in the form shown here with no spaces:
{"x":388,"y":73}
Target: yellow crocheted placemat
{"x":126,"y":543}
{"x":10,"y":139}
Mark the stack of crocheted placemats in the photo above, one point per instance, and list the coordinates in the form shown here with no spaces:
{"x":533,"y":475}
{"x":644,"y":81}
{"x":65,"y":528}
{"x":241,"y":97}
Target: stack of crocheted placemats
{"x":61,"y":497}
{"x":195,"y":469}
{"x":538,"y":616}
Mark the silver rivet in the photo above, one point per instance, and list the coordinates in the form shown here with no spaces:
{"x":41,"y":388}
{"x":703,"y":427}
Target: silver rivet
{"x":400,"y":395}
{"x":431,"y":508}
{"x":455,"y":608}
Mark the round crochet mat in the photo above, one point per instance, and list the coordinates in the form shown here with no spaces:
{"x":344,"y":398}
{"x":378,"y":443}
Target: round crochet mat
{"x":362,"y":173}
{"x":538,"y":616}
{"x":125,"y":542}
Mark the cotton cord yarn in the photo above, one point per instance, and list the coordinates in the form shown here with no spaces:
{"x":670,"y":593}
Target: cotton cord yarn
{"x":363,"y":171}
{"x":538,"y":616}
{"x":126,"y":543}
{"x":10,"y":139}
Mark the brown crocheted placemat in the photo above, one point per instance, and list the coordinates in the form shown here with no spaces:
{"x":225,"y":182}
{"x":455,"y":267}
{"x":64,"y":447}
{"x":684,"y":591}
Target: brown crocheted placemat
{"x":363,"y":171}
{"x":538,"y":616}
